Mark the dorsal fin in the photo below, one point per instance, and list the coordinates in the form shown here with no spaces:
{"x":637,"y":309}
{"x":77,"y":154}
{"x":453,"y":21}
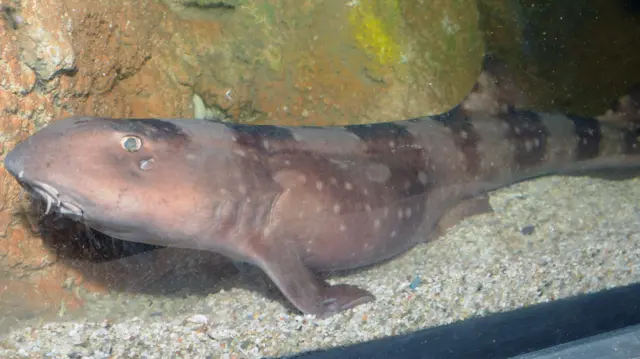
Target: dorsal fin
{"x":495,"y":90}
{"x":626,"y":109}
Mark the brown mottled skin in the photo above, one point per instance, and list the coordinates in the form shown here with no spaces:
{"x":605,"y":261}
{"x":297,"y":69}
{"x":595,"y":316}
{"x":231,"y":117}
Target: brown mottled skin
{"x":296,"y":200}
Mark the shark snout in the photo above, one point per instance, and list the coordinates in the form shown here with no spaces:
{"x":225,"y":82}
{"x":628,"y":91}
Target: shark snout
{"x":14,"y":161}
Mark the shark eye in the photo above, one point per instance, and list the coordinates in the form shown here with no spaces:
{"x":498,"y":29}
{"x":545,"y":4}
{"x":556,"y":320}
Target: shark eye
{"x":131,"y":143}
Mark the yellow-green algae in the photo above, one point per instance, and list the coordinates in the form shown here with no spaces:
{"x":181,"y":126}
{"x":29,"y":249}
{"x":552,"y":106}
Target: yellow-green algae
{"x":377,"y":28}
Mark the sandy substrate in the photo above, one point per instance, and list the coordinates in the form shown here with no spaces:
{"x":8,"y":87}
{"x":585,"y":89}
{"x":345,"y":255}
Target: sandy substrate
{"x":549,"y":238}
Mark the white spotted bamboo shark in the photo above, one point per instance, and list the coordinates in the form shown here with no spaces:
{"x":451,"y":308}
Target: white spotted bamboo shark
{"x":296,"y":201}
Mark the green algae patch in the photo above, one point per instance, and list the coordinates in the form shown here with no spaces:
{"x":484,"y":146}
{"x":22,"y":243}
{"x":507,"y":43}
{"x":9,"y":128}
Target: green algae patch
{"x":377,"y":26}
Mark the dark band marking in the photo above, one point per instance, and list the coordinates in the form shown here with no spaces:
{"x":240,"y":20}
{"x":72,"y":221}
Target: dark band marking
{"x":456,"y":114}
{"x":392,"y":144}
{"x":380,"y":131}
{"x":151,"y":128}
{"x":81,"y":120}
{"x":466,"y":139}
{"x":312,"y":127}
{"x":589,"y":135}
{"x":419,"y":119}
{"x":529,"y":136}
{"x":263,"y":137}
{"x":631,"y":143}
{"x":465,"y":136}
{"x":415,"y":187}
{"x":261,"y":131}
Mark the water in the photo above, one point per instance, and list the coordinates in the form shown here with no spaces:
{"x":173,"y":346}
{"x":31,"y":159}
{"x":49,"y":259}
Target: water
{"x":68,"y":290}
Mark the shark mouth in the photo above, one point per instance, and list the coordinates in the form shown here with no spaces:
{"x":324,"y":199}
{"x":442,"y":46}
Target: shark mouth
{"x":51,"y":196}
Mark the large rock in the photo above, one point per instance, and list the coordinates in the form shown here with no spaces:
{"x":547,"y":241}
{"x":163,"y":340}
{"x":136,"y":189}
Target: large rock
{"x":45,"y":39}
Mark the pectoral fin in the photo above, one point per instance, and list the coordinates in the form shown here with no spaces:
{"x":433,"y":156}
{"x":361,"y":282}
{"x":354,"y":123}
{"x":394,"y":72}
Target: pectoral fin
{"x":304,"y":289}
{"x":466,"y":208}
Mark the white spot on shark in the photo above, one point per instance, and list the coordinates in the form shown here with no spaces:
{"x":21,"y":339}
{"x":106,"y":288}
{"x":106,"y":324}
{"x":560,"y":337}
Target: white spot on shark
{"x":341,"y":164}
{"x":376,"y":223}
{"x":422,"y":177}
{"x":378,"y":172}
